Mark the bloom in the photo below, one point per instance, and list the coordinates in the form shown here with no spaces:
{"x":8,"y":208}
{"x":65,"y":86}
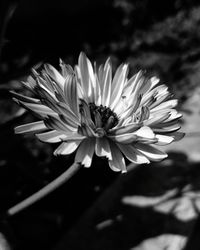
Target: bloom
{"x":88,"y":110}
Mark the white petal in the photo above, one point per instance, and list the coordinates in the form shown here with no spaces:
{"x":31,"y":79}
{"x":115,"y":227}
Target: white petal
{"x":73,"y":137}
{"x":117,"y":163}
{"x":30,"y":83}
{"x":145,"y":132}
{"x":157,"y":118}
{"x":149,"y":84}
{"x":85,"y":152}
{"x":106,"y":84}
{"x":51,"y":136}
{"x":144,"y":114}
{"x":87,"y":77}
{"x":102,"y":148}
{"x":31,"y":127}
{"x":164,"y":140}
{"x":57,"y":124}
{"x":70,"y":91}
{"x":118,"y":85}
{"x":154,"y":81}
{"x":125,"y":129}
{"x":63,"y":112}
{"x":44,"y":94}
{"x":66,"y":69}
{"x":174,"y":115}
{"x":150,"y":152}
{"x":132,"y":107}
{"x":177,"y":135}
{"x":37,"y":108}
{"x":132,"y":84}
{"x":165,"y":130}
{"x":124,"y":138}
{"x":46,"y":82}
{"x":57,"y":77}
{"x":166,"y":105}
{"x":67,"y":148}
{"x":25,"y":98}
{"x":132,"y":154}
{"x":57,"y":136}
{"x":159,"y":100}
{"x":97,"y":91}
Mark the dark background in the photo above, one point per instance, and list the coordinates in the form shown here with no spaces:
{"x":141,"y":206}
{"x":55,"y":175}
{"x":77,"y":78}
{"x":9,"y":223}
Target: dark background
{"x":161,"y":37}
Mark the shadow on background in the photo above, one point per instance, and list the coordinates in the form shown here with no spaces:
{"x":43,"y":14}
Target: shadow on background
{"x":148,"y":202}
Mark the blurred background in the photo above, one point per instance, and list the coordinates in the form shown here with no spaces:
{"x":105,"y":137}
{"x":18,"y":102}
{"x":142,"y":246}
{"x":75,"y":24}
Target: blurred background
{"x":153,"y":207}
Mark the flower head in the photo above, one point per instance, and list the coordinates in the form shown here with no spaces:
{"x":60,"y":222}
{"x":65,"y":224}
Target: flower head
{"x":89,"y":110}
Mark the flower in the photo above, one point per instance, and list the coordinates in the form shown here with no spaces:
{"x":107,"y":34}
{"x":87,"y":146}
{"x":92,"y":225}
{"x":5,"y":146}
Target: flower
{"x":88,"y":110}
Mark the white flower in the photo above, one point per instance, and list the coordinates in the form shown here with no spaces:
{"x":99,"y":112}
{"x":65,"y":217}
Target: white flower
{"x":90,"y":110}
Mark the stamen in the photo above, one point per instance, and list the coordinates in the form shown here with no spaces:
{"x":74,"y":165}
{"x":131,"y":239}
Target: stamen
{"x":101,"y":116}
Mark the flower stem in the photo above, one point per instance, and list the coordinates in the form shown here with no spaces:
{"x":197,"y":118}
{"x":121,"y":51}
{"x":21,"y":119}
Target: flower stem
{"x":45,"y":190}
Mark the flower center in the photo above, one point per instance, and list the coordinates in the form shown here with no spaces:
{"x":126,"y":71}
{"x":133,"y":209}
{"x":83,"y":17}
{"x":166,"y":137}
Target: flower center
{"x":103,"y":117}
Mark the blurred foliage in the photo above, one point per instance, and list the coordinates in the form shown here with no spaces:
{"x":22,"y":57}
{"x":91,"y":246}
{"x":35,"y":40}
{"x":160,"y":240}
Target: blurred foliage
{"x":161,"y":37}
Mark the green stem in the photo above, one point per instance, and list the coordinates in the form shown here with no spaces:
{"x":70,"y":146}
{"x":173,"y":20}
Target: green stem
{"x":45,"y":190}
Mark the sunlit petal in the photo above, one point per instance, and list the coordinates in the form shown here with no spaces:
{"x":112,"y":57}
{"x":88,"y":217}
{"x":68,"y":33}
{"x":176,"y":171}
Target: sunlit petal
{"x":67,"y":148}
{"x":102,"y":148}
{"x":52,"y":136}
{"x":117,"y":85}
{"x":85,"y":152}
{"x":31,"y":127}
{"x":117,"y":163}
{"x":150,"y":152}
{"x":132,"y":154}
{"x":56,"y":76}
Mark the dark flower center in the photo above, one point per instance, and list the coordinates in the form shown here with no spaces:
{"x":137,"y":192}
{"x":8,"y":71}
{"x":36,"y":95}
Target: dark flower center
{"x":108,"y":118}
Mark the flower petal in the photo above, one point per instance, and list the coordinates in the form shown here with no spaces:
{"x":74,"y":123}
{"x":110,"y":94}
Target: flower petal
{"x":66,"y":69}
{"x":132,"y":84}
{"x":165,"y":130}
{"x":164,"y":139}
{"x":157,"y":118}
{"x":125,"y":129}
{"x":150,"y":152}
{"x":31,"y":127}
{"x":25,"y":98}
{"x":177,"y":135}
{"x":97,"y":91}
{"x":55,"y":75}
{"x":145,"y":132}
{"x":117,"y":85}
{"x":85,"y":152}
{"x":117,"y":163}
{"x":132,"y":154}
{"x":37,"y":108}
{"x":142,"y":134}
{"x":131,"y":108}
{"x":106,"y":84}
{"x":51,"y":136}
{"x":87,"y":76}
{"x":70,"y":91}
{"x":102,"y":148}
{"x":166,"y":105}
{"x":124,"y":138}
{"x":57,"y":136}
{"x":67,"y":148}
{"x":56,"y":123}
{"x":30,"y":83}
